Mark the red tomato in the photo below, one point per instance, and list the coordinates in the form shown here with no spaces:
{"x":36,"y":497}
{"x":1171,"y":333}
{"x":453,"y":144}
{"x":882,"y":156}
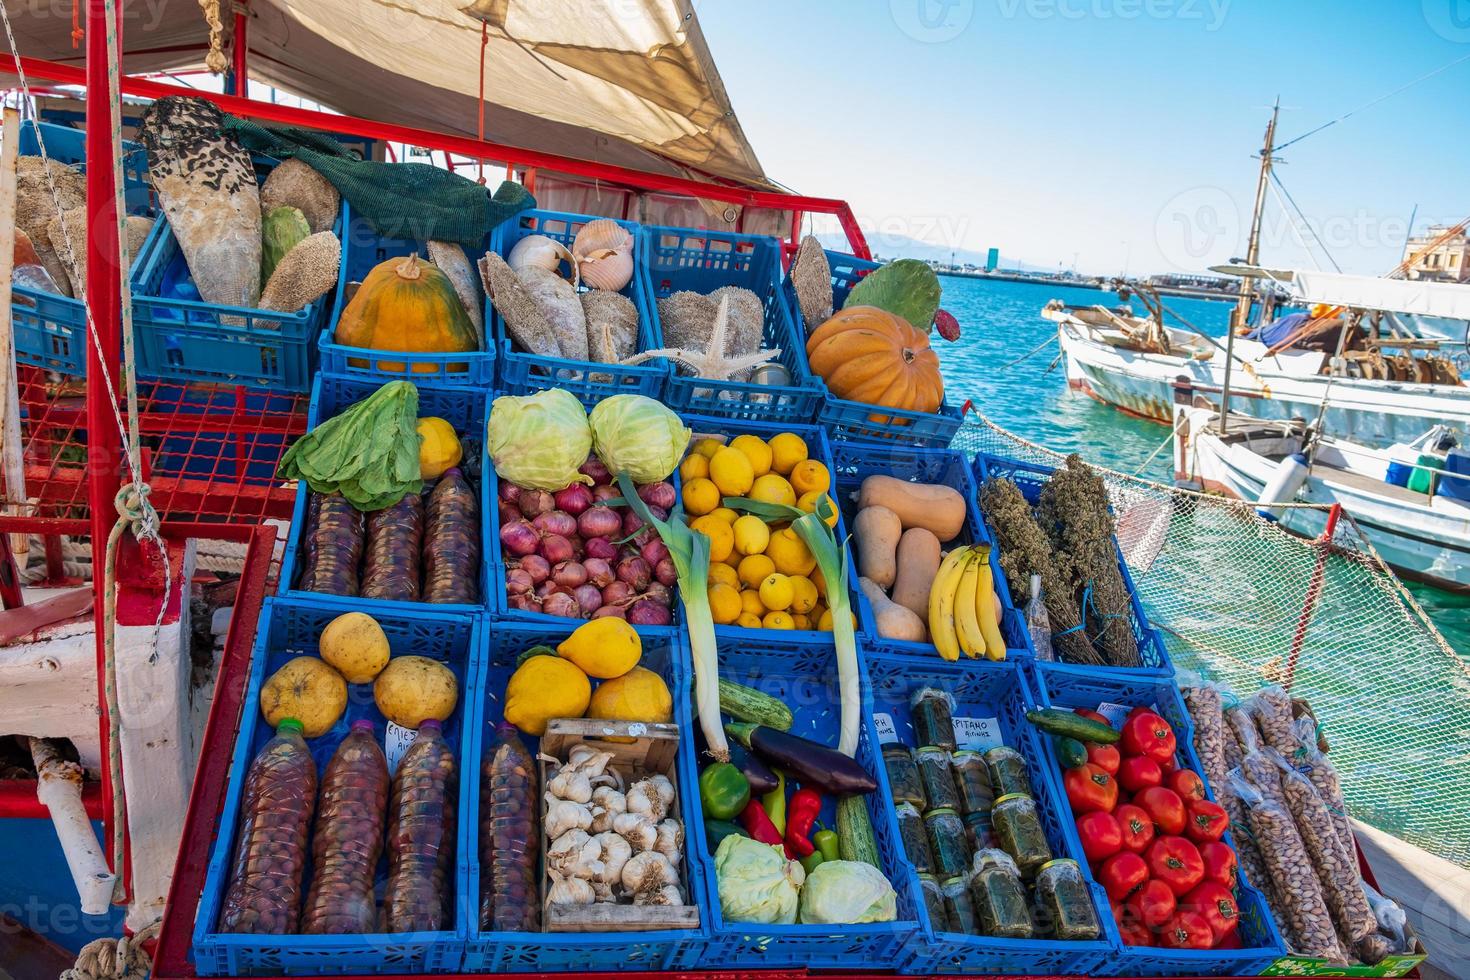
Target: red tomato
{"x":1217,"y":905}
{"x":1152,"y":904}
{"x":1176,"y":862}
{"x":1105,"y":757}
{"x":1122,"y":874}
{"x":1221,"y":865}
{"x":1137,"y":827}
{"x":1186,"y":930}
{"x":1101,"y":836}
{"x":1169,"y":766}
{"x":1090,"y":788}
{"x":1164,"y":807}
{"x":1095,"y":716}
{"x":1139,"y":772}
{"x":1206,"y":821}
{"x":1148,"y":734}
{"x":1187,"y":784}
{"x":1135,"y":933}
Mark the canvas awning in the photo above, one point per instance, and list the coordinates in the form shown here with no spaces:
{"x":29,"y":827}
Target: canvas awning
{"x":624,"y":82}
{"x":1410,"y":296}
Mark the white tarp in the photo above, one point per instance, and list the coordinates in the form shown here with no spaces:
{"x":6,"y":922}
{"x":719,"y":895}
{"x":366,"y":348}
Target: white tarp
{"x":1435,"y":299}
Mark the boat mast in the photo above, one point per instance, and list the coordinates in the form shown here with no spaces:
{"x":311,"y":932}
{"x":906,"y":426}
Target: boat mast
{"x":1241,"y":315}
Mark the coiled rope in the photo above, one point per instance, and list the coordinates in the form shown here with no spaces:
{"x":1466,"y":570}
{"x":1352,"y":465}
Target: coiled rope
{"x":115,"y":959}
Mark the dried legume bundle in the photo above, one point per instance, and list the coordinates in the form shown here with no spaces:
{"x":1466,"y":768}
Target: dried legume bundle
{"x":264,"y":895}
{"x":332,"y":546}
{"x":394,"y":541}
{"x":509,"y":842}
{"x":452,"y":541}
{"x":421,"y":836}
{"x":348,"y":837}
{"x":1323,"y":774}
{"x":1272,"y":709}
{"x":1247,"y":854}
{"x":1203,"y":703}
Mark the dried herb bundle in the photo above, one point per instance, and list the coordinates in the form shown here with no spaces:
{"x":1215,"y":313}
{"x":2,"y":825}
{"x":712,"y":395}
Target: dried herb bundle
{"x":1025,"y":551}
{"x":1073,"y":510}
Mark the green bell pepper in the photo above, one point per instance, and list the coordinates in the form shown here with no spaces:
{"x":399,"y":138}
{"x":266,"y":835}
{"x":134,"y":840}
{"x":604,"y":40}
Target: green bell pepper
{"x":723,"y":791}
{"x":811,"y":861}
{"x":826,"y":843}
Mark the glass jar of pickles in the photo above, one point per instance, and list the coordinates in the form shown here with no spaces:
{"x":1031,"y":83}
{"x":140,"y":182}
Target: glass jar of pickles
{"x":932,"y":711}
{"x":1007,"y":771}
{"x":904,"y":783}
{"x":980,"y":830}
{"x":915,"y":837}
{"x":959,"y":906}
{"x":1001,"y":907}
{"x":937,"y":775}
{"x":972,"y":780}
{"x":933,"y":900}
{"x":1062,"y":898}
{"x":947,"y":842}
{"x":1019,"y":831}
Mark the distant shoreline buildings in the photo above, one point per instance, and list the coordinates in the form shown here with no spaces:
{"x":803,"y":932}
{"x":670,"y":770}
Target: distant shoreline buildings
{"x":1441,"y":254}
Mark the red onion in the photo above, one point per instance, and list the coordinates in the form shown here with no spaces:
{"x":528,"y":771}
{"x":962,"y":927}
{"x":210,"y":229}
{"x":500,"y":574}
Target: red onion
{"x":519,"y":537}
{"x":579,"y":550}
{"x":601,"y":548}
{"x":561,"y":604}
{"x":599,"y":522}
{"x":603,"y":492}
{"x":507,"y":512}
{"x":662,"y":513}
{"x":596,"y":469}
{"x":525,"y":603}
{"x":617,"y":593}
{"x":509,"y":492}
{"x":666,"y":573}
{"x":599,"y":572}
{"x":537,"y":567}
{"x":659,"y":593}
{"x":555,"y":548}
{"x":645,"y":612}
{"x":518,"y":581}
{"x":654,"y":551}
{"x":588,"y":598}
{"x":569,"y":574}
{"x":635,"y":572}
{"x":555,"y":522}
{"x":617,"y":611}
{"x":574,"y":499}
{"x":628,"y":551}
{"x":547,"y":588}
{"x":633,"y":527}
{"x":534,"y":502}
{"x":659,"y":494}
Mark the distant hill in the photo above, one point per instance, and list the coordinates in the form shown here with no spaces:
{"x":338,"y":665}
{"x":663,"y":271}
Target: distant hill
{"x":903,"y":247}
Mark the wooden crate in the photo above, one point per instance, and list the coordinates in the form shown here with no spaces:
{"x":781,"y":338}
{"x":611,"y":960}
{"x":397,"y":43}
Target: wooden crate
{"x":639,"y":749}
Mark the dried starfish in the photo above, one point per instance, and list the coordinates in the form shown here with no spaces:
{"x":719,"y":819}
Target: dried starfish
{"x":713,"y":363}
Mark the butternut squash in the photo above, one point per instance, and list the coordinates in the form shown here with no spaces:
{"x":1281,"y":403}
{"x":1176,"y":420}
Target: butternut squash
{"x":894,"y":622}
{"x":932,"y":506}
{"x":918,"y":563}
{"x":877,"y":530}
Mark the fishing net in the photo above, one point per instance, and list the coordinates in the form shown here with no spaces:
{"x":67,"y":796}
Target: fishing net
{"x":1241,"y":600}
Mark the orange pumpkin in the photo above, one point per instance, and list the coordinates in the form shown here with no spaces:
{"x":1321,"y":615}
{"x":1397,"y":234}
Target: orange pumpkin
{"x":407,"y":304}
{"x":872,"y":356}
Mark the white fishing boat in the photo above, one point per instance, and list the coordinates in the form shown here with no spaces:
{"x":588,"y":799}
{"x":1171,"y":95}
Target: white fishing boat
{"x":1424,"y":536}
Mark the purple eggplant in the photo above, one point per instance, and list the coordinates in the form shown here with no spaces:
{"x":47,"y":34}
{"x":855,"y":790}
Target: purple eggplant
{"x":809,"y":763}
{"x":757,"y":773}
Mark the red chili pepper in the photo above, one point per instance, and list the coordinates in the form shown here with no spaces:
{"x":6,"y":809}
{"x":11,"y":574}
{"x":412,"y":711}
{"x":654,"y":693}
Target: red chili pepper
{"x":801,"y":813}
{"x":758,"y":825}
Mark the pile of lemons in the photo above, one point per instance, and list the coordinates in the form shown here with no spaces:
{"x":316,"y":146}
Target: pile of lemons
{"x":762,"y":576}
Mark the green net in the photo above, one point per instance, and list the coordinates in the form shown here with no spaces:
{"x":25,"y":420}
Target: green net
{"x":413,"y":201}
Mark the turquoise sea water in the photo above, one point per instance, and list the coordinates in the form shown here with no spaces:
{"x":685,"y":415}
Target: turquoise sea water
{"x":1001,"y":321}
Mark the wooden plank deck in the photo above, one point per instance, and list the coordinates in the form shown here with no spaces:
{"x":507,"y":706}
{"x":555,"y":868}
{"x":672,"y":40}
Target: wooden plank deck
{"x":1434,"y":893}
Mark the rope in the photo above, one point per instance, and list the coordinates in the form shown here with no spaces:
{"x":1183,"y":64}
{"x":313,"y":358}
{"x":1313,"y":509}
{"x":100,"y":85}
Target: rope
{"x":115,"y":959}
{"x":1035,"y":350}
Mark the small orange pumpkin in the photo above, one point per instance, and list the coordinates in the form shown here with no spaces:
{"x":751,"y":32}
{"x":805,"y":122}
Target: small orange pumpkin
{"x":406,"y":304}
{"x":869,"y":355}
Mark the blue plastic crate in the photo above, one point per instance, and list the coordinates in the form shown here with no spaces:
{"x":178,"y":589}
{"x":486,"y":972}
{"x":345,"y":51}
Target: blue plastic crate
{"x":529,"y":952}
{"x":522,"y":372}
{"x":855,"y":420}
{"x":998,"y":696}
{"x":675,"y":259}
{"x":50,"y":329}
{"x":1029,"y":478}
{"x":182,"y":338}
{"x":1075,"y":686}
{"x":362,"y":249}
{"x":803,"y":675}
{"x":855,"y":461}
{"x":290,"y":628}
{"x":463,"y":408}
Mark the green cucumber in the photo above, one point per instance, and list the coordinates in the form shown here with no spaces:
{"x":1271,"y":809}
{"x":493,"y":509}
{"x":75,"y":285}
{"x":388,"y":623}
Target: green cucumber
{"x":747,"y":704}
{"x":1068,"y":724}
{"x":855,"y":840}
{"x":1070,"y":752}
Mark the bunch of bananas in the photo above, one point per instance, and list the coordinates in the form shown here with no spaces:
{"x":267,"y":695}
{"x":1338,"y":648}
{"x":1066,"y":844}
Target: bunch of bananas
{"x":962,"y":606}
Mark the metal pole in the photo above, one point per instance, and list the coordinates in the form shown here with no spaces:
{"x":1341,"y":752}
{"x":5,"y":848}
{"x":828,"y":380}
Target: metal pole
{"x":240,"y":71}
{"x":103,"y":286}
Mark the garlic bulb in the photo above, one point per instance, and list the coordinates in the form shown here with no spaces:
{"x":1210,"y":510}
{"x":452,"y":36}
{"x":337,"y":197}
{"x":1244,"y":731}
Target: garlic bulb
{"x":575,"y":855}
{"x":664,"y":788}
{"x":665,"y":895}
{"x":613,"y":852}
{"x":610,"y":799}
{"x":569,"y":891}
{"x":670,"y":840}
{"x":585,"y":758}
{"x":541,"y":252}
{"x":571,"y":784}
{"x":636,"y":829}
{"x":602,"y":893}
{"x":604,"y":253}
{"x":648,"y":872}
{"x":564,"y":815}
{"x":644,"y":798}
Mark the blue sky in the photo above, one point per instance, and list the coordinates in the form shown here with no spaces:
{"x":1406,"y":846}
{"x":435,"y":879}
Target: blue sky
{"x":1116,"y":131}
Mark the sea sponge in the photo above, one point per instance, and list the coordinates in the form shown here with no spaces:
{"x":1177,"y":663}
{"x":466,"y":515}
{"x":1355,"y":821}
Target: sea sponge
{"x":303,"y":275}
{"x":35,"y":208}
{"x":524,"y":319}
{"x":612,"y":326}
{"x":452,"y":261}
{"x":811,"y":278}
{"x":688,"y":319}
{"x":295,"y":184}
{"x":557,"y":298}
{"x":75,"y":222}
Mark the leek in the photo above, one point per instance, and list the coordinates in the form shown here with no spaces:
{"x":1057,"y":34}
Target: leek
{"x":690,"y":551}
{"x":831,"y":558}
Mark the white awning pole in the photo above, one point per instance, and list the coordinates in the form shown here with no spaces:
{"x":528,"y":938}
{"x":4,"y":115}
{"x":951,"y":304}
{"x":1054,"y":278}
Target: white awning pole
{"x":59,"y":788}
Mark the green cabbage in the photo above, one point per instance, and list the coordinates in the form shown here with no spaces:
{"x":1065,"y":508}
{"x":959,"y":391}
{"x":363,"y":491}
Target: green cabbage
{"x":756,"y":882}
{"x":539,"y":440}
{"x":639,"y":436}
{"x":847,"y":892}
{"x":904,"y":287}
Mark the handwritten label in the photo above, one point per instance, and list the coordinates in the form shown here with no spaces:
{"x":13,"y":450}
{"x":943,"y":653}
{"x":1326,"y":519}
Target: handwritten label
{"x":887,"y":734}
{"x":396,"y":741}
{"x":977,"y":734}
